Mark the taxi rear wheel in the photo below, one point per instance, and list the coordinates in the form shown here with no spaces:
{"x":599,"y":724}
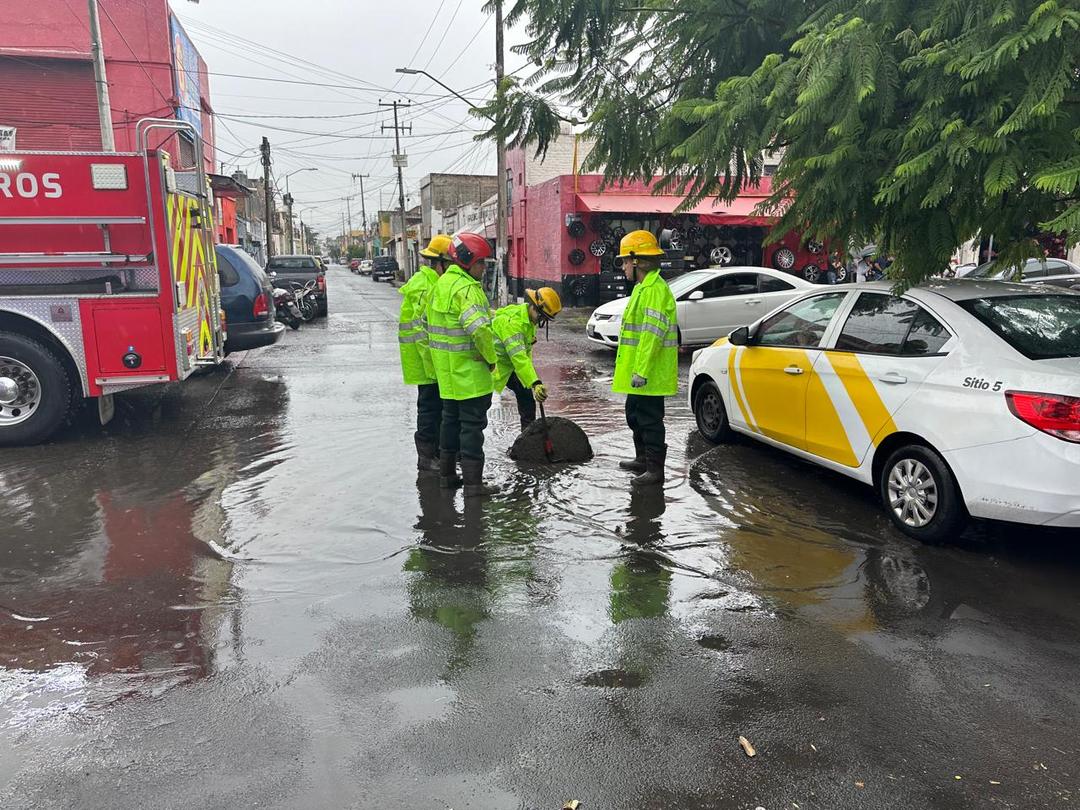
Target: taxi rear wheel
{"x":920,"y":495}
{"x":710,"y":413}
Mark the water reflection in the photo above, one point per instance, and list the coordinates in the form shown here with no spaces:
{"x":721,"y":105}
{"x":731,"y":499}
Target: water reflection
{"x":641,"y":583}
{"x":116,"y":576}
{"x":469,"y":561}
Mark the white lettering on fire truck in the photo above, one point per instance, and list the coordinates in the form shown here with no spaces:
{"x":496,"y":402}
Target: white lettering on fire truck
{"x":28,"y":185}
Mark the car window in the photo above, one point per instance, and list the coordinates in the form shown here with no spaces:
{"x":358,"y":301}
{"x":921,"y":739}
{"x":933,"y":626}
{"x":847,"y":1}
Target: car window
{"x":228,"y":274}
{"x":1056,"y":267}
{"x":769,"y":284}
{"x":734,"y":284}
{"x":1040,"y":327}
{"x":292,"y":263}
{"x":802,"y":324}
{"x":927,"y":336}
{"x":878,"y":324}
{"x":1036,"y":269}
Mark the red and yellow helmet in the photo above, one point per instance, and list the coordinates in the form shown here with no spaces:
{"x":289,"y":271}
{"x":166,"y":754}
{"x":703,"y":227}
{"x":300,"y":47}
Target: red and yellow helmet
{"x":466,"y":249}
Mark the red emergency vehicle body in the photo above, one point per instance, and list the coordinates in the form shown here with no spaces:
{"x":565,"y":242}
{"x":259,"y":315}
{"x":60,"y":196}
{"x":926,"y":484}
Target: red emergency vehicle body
{"x":107,"y":282}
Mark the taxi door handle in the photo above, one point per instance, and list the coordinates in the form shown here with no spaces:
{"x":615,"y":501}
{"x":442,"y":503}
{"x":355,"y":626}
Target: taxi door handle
{"x":793,"y":370}
{"x":893,"y":378}
{"x":753,"y":302}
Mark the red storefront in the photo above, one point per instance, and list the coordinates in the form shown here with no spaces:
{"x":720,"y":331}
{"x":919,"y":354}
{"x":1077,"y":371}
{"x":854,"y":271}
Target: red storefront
{"x":47,"y":77}
{"x":564,"y":233}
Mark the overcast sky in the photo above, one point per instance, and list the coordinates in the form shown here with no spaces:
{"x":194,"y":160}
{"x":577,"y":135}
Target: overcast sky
{"x":354,"y":45}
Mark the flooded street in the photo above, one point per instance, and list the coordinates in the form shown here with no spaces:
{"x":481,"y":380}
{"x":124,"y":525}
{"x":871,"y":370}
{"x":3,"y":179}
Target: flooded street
{"x":238,"y":594}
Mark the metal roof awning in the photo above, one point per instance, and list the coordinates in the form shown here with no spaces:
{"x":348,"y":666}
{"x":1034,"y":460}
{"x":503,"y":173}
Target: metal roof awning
{"x":739,"y":211}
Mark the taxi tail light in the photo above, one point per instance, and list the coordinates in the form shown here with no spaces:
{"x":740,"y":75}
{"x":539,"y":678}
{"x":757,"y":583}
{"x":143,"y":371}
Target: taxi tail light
{"x":1054,"y":414}
{"x":322,"y":282}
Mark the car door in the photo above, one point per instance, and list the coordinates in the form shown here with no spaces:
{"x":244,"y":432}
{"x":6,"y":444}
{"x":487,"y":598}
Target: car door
{"x":720,"y":308}
{"x":884,"y":350}
{"x":772,"y":373}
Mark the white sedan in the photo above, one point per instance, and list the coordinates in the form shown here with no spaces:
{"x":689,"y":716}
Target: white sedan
{"x":710,"y":303}
{"x":959,"y":398}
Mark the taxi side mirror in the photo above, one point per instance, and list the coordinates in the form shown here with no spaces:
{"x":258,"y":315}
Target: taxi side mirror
{"x":740,"y":337}
{"x":696,"y":295}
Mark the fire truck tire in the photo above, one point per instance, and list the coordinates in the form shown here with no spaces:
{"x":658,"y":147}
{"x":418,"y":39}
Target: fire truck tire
{"x":31,"y":374}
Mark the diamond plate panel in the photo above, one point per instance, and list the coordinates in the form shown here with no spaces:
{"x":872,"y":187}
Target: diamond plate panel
{"x":69,"y":333}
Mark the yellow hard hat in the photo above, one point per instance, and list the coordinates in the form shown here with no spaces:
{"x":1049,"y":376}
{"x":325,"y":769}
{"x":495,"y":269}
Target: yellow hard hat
{"x":546,"y":300}
{"x":438,"y":247}
{"x":639,"y":243}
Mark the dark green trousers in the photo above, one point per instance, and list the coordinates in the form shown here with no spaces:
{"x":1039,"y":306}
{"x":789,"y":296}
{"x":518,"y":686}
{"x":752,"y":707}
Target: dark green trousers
{"x":463,"y":423}
{"x":526,"y":402}
{"x":645,"y":416}
{"x":428,"y":414}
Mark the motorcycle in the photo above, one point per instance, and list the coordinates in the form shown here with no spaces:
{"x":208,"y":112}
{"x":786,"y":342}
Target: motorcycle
{"x":287,"y":310}
{"x":307,"y":300}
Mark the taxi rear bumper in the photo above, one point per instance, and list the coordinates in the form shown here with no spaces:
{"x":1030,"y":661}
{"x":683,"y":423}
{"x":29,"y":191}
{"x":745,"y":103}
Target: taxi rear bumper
{"x":1030,"y":480}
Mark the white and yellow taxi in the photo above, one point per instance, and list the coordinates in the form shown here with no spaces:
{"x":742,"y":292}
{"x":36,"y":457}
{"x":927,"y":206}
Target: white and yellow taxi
{"x":957,"y":398}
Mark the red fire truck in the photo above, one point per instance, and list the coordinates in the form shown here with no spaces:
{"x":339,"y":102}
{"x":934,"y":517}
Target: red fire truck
{"x":108,"y":280}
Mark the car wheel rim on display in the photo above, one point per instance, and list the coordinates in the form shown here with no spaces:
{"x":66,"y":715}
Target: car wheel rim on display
{"x":720,"y":255}
{"x":598,"y":247}
{"x":913,"y":494}
{"x":784,"y":259}
{"x":20,"y":392}
{"x":811,"y":272}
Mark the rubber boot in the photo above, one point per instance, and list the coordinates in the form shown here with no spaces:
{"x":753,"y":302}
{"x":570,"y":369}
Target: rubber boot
{"x":472,"y":470}
{"x":654,"y":470}
{"x":637,"y":463}
{"x":427,"y":457}
{"x":448,"y":477}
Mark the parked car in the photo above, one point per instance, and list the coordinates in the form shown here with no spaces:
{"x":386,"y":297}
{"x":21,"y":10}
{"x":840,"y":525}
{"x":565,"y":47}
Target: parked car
{"x":365,"y":267}
{"x":354,"y":265}
{"x":710,"y":303}
{"x":248,"y":300}
{"x":384,"y":268}
{"x":959,"y":398}
{"x":1059,"y":272}
{"x":302,"y":269}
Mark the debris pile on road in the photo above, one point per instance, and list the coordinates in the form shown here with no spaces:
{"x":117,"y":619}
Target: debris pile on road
{"x":569,"y":442}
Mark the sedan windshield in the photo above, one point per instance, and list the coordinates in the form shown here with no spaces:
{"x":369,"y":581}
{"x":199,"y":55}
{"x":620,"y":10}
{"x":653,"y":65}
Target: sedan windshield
{"x":1040,"y":327}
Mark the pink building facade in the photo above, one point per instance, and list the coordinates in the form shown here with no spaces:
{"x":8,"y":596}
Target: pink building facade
{"x":153,"y":70}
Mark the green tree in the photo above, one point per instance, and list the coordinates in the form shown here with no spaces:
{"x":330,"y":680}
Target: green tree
{"x":913,"y":123}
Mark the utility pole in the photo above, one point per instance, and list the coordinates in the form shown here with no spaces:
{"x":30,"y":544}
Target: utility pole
{"x":500,"y":292}
{"x":363,"y":214}
{"x":288,"y":200}
{"x":344,"y":249}
{"x":348,"y":207}
{"x":265,"y":150}
{"x":108,"y":141}
{"x":400,"y":161}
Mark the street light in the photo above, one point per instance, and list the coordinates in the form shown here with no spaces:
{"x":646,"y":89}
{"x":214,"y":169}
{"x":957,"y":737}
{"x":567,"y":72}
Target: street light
{"x":288,"y":200}
{"x":290,"y":174}
{"x":408,"y":71}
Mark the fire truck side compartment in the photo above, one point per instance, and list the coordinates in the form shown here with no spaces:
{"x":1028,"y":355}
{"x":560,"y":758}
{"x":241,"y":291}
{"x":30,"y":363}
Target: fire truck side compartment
{"x":120,"y":329}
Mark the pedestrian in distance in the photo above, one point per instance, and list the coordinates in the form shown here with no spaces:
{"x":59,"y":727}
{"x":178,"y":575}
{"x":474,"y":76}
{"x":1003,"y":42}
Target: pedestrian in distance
{"x":647,"y":362}
{"x":462,"y":347}
{"x":515,"y":333}
{"x":416,"y":366}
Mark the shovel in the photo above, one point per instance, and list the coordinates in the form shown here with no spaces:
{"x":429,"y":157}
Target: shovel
{"x":549,"y":448}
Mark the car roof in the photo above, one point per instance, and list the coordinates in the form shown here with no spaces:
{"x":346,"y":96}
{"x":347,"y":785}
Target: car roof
{"x":749,"y":268}
{"x":294,"y":256}
{"x":962,"y":289}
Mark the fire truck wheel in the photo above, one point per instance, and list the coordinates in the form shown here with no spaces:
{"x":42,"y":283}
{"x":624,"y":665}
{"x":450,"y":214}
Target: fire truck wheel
{"x":35,"y":392}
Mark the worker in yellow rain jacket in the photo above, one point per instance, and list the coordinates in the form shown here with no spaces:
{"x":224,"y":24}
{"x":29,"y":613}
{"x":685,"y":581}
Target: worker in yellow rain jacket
{"x":515,"y":333}
{"x":416,"y":366}
{"x":462,"y":348}
{"x":647,"y":363}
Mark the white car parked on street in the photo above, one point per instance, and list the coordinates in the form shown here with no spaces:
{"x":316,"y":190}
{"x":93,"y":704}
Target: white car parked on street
{"x":710,"y":303}
{"x":958,"y":398}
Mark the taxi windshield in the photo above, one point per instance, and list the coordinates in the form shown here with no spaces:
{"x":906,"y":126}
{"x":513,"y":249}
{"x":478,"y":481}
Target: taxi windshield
{"x":1040,"y":327}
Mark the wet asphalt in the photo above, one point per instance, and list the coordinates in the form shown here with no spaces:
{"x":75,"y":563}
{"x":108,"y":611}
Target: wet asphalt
{"x":238,"y":594}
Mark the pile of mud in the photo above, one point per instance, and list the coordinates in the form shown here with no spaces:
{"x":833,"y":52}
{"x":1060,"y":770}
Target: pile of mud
{"x":569,"y":442}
